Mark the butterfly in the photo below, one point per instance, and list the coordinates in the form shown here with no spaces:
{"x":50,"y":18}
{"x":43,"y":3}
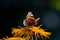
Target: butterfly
{"x":30,"y":20}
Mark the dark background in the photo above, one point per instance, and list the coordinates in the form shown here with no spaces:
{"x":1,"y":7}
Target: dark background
{"x":13,"y":12}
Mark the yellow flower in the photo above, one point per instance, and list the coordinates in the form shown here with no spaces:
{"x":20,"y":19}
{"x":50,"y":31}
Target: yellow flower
{"x":40,"y":31}
{"x":14,"y":38}
{"x":28,"y":32}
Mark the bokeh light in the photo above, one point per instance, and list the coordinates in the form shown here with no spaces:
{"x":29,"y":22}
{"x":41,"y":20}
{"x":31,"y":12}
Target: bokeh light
{"x":55,"y":4}
{"x":51,"y":20}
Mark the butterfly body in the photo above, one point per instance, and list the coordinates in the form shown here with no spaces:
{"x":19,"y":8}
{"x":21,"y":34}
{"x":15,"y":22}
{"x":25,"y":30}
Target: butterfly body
{"x":30,"y":20}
